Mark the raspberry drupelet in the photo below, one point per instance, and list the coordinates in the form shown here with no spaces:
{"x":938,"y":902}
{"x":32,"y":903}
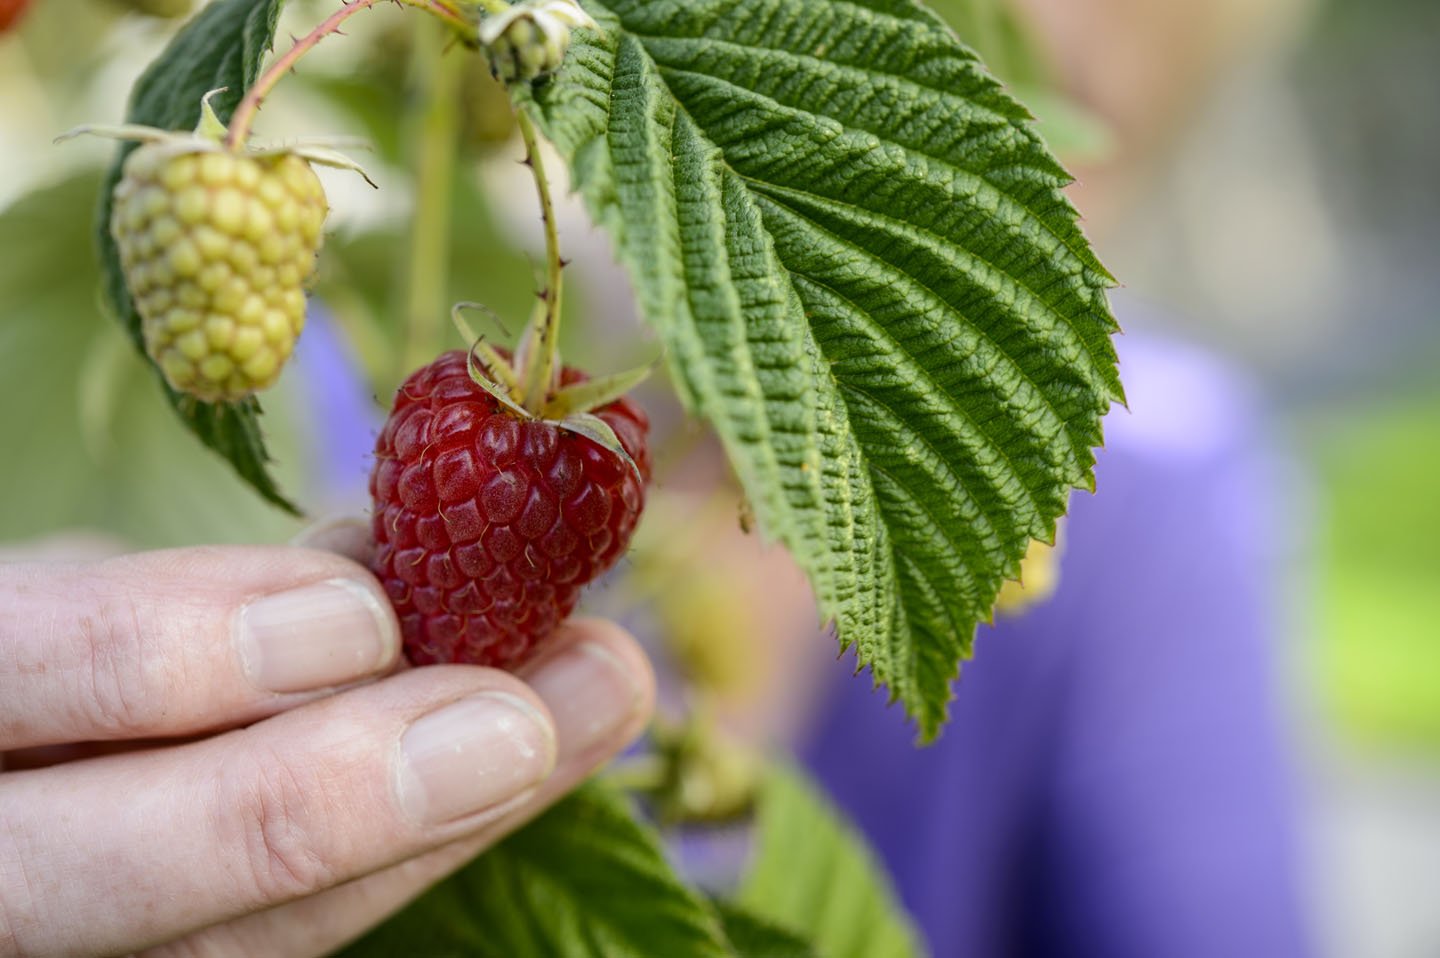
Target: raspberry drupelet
{"x":488,"y":525}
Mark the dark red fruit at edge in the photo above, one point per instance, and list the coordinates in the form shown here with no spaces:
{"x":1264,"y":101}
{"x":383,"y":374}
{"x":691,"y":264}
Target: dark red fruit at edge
{"x":10,"y":13}
{"x":487,"y":525}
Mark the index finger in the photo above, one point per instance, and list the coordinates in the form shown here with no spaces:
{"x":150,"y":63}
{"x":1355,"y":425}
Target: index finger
{"x":181,"y":641}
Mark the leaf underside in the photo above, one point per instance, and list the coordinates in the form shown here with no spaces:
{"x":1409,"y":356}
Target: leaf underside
{"x":857,"y":253}
{"x":221,"y":46}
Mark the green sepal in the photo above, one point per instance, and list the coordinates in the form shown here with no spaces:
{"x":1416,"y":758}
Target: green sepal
{"x":599,"y":432}
{"x":594,"y":393}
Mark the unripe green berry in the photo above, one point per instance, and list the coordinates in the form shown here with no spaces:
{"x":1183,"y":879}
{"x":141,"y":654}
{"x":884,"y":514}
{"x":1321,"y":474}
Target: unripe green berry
{"x":216,"y":247}
{"x":524,"y":52}
{"x":531,"y":38}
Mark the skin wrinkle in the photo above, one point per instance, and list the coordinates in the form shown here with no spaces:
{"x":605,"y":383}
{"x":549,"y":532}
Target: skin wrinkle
{"x":273,"y":809}
{"x":12,"y":900}
{"x":147,"y":869}
{"x":119,"y":650}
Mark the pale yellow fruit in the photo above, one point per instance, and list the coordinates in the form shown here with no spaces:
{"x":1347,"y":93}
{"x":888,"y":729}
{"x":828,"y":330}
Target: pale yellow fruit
{"x":216,"y":247}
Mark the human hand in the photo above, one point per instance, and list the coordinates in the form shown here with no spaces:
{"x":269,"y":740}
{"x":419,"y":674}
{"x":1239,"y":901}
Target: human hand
{"x":210,"y":751}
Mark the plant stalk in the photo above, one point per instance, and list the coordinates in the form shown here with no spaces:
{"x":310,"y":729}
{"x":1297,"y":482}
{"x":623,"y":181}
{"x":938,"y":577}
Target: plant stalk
{"x":541,"y":362}
{"x":436,"y":88}
{"x":244,"y":115}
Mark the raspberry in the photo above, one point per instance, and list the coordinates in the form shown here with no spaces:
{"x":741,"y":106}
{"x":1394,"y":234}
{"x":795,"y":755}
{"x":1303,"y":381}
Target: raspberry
{"x":488,"y":525}
{"x":216,"y":247}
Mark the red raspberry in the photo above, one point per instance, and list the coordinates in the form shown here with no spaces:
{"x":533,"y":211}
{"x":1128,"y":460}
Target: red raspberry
{"x":488,"y":525}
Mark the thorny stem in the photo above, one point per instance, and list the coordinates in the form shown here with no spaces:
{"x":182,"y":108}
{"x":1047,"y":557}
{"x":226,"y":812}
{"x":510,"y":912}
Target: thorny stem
{"x":244,"y":116}
{"x":540,"y":362}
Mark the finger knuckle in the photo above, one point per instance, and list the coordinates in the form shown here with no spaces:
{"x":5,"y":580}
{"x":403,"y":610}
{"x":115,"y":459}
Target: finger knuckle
{"x":122,"y":675}
{"x":272,"y":811}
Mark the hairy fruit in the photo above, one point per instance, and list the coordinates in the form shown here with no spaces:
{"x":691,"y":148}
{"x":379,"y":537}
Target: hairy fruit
{"x":487,"y":523}
{"x":216,"y":247}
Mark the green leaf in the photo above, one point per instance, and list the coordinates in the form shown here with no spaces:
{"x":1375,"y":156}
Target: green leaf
{"x":222,"y":46}
{"x":857,"y":253}
{"x":811,"y":872}
{"x":583,"y":880}
{"x":995,"y":29}
{"x":754,"y":937}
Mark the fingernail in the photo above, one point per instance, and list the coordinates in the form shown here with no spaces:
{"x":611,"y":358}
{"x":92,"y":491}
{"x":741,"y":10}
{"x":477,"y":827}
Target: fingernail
{"x":472,"y":755}
{"x":589,"y":691}
{"x":316,"y":636}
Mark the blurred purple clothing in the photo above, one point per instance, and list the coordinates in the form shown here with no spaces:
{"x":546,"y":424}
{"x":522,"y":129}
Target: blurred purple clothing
{"x":1114,"y":781}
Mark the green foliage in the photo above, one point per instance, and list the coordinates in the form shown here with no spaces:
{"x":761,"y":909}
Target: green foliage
{"x":586,"y":879}
{"x":93,"y":440}
{"x":813,"y":873}
{"x":857,"y":254}
{"x":221,"y":47}
{"x":1377,"y":659}
{"x":582,"y":880}
{"x":997,"y":31}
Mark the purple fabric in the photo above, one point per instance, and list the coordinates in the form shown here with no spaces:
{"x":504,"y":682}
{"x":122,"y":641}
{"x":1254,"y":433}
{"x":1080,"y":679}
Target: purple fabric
{"x":343,"y":418}
{"x":1114,"y":781}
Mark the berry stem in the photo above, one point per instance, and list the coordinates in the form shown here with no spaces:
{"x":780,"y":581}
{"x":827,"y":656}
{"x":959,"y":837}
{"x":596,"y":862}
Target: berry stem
{"x":244,"y":115}
{"x":540,"y":362}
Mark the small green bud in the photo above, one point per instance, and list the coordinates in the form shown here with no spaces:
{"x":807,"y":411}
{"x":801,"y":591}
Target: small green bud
{"x":530,"y":40}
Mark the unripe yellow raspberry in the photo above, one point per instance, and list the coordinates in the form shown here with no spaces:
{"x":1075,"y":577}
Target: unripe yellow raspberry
{"x":216,"y":247}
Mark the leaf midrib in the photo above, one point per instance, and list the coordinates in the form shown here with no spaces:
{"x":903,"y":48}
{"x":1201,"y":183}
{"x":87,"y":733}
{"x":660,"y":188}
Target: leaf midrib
{"x":990,"y":442}
{"x":951,"y":404}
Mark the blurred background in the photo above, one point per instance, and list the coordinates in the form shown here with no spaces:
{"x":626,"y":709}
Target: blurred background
{"x":1260,"y":175}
